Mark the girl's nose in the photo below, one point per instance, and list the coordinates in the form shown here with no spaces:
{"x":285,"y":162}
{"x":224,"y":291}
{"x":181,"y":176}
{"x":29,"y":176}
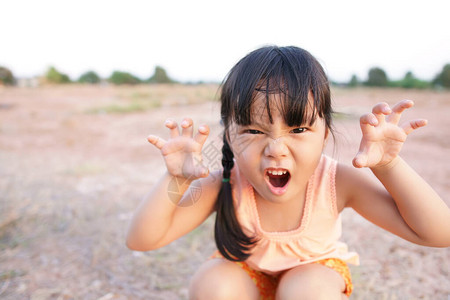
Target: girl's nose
{"x":276,"y":148}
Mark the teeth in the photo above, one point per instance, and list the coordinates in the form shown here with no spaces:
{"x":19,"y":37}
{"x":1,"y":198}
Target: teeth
{"x":278,"y":173}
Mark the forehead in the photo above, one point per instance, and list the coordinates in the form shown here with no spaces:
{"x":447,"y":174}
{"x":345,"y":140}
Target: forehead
{"x":266,"y":107}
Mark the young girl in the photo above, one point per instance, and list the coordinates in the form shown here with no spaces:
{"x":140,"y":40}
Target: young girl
{"x":279,"y":199}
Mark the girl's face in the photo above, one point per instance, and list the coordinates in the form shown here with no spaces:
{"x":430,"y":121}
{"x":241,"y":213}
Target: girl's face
{"x":277,"y":159}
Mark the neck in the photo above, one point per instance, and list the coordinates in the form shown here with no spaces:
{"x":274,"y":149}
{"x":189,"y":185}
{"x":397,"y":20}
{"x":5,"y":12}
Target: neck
{"x":280,"y":216}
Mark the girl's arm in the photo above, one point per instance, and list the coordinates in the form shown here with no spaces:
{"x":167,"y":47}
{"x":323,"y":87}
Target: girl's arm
{"x":407,"y":205}
{"x":183,"y":198}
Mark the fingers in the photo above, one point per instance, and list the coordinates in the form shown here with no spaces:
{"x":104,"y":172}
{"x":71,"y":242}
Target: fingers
{"x":186,"y":131}
{"x":410,"y":126}
{"x":367,"y":123}
{"x":380,"y":111}
{"x":186,"y":127}
{"x":173,"y":126}
{"x":157,"y":141}
{"x":398,"y":109}
{"x":393,"y":116}
{"x":202,"y":135}
{"x":377,"y":117}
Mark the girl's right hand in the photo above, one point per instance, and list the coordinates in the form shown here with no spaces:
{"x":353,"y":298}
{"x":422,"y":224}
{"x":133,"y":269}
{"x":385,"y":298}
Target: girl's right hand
{"x":182,"y":152}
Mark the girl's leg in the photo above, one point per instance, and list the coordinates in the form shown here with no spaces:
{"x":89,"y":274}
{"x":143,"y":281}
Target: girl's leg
{"x":311,"y":281}
{"x":221,"y":279}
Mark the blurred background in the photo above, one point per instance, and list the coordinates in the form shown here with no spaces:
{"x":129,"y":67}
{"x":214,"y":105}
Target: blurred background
{"x":82,"y":84}
{"x":199,"y":41}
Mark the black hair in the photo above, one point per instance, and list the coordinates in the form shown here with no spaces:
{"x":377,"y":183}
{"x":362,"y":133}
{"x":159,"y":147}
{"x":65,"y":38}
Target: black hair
{"x":294,"y":74}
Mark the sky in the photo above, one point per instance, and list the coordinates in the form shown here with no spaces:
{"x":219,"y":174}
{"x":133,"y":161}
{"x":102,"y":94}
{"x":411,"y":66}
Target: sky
{"x":197,"y":40}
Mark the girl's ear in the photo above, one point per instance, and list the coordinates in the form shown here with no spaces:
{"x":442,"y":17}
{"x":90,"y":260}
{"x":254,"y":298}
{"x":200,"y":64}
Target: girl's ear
{"x":327,"y":133}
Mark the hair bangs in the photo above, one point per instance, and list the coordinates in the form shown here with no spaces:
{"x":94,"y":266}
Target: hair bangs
{"x":291,"y":73}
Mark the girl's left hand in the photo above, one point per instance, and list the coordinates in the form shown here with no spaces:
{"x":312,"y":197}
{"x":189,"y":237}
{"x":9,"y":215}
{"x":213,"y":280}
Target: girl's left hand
{"x":383,"y":137}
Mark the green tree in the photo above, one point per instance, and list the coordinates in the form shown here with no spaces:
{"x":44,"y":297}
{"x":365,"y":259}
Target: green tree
{"x":409,"y":81}
{"x":54,"y":76}
{"x":118,"y":77}
{"x":377,"y":77}
{"x":160,"y":76}
{"x":443,"y":78}
{"x":6,"y":76}
{"x":354,"y":81}
{"x":89,"y":77}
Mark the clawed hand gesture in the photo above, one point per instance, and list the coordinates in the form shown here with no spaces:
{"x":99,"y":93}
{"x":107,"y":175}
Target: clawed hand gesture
{"x":182,"y":152}
{"x":383,"y":137}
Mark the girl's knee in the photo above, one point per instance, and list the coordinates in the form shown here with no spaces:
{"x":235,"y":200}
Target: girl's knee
{"x":312,"y":281}
{"x":222,"y":279}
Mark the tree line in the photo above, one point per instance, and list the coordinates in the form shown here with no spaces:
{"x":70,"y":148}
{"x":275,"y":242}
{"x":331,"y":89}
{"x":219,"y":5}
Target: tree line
{"x":376,"y":77}
{"x":54,"y":76}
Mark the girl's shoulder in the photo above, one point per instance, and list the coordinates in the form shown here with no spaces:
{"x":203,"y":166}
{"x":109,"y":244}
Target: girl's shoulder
{"x":353,"y":183}
{"x":345,"y":177}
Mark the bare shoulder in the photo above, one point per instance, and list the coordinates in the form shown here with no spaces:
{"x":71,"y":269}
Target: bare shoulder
{"x":344,"y":174}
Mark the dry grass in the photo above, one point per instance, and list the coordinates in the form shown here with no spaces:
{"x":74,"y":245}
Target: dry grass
{"x":74,"y":163}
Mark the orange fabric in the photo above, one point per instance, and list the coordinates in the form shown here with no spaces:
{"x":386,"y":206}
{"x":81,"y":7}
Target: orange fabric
{"x":341,"y":267}
{"x":267,"y":284}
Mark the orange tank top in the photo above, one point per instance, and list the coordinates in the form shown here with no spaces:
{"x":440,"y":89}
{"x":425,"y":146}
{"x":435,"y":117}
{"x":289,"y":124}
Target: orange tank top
{"x":317,"y":236}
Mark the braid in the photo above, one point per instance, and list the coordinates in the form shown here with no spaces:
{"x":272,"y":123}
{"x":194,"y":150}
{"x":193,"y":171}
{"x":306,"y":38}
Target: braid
{"x":227,"y":158}
{"x":231,"y":241}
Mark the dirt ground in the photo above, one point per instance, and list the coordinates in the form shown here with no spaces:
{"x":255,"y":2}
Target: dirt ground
{"x":75,"y":163}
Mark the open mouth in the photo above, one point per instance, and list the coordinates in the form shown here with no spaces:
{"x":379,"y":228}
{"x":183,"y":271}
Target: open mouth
{"x":278,"y":179}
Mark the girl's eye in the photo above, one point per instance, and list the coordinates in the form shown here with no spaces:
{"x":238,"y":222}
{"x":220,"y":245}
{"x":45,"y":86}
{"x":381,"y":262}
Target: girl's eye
{"x":252,"y":131}
{"x":298,"y":130}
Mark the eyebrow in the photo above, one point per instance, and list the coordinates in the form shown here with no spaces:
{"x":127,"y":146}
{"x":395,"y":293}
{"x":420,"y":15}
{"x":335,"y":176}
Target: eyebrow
{"x":265,"y":125}
{"x":260,"y":121}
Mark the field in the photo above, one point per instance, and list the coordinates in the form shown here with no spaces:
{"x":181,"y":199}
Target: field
{"x":75,"y":163}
